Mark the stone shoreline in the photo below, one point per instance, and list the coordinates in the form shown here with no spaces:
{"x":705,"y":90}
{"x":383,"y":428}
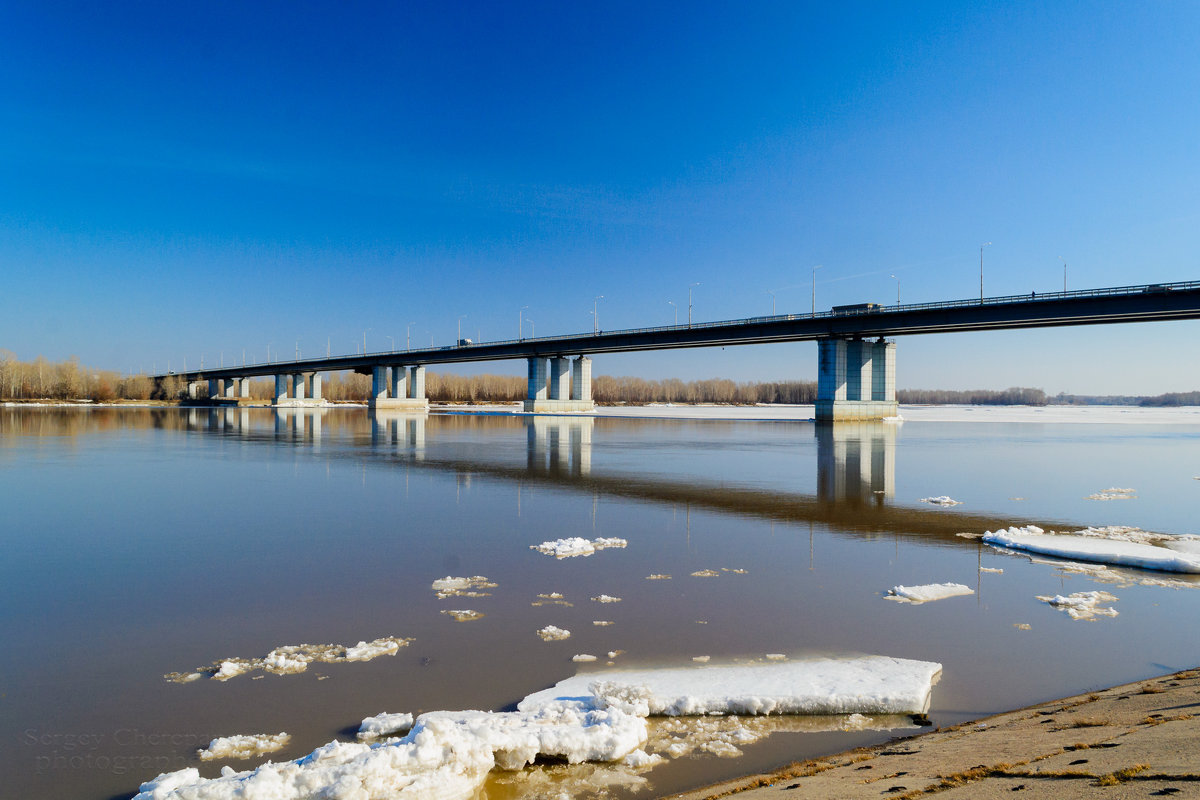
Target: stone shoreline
{"x":1137,"y":740}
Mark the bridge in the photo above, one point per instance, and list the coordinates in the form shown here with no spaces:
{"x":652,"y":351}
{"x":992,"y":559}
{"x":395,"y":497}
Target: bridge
{"x":856,"y":359}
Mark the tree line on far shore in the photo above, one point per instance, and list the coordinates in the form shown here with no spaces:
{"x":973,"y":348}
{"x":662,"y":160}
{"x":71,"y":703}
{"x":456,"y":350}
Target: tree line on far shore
{"x":69,"y":380}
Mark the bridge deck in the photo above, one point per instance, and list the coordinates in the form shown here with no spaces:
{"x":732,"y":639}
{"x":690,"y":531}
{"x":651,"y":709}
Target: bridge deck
{"x":1146,"y":303}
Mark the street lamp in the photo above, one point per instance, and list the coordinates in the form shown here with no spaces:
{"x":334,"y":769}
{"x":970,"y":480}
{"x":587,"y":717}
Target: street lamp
{"x":596,"y":314}
{"x":814,"y":288}
{"x":985,"y":244}
{"x":532,"y":329}
{"x":460,"y":319}
{"x":772,"y":301}
{"x":1064,"y":273}
{"x":365,"y":340}
{"x":521,"y":323}
{"x":408,"y":336}
{"x":672,"y":302}
{"x":897,"y":290}
{"x":690,"y":285}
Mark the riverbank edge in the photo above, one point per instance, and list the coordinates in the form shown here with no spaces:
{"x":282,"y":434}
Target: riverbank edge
{"x":1145,"y":733}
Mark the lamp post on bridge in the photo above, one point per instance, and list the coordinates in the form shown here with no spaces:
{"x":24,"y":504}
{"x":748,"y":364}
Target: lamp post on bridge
{"x":365,"y":340}
{"x":772,"y":301}
{"x":521,"y":323}
{"x":596,"y":314}
{"x":814,"y":288}
{"x":460,"y":319}
{"x":408,"y":336}
{"x":985,"y":244}
{"x":672,"y":304}
{"x":690,"y":303}
{"x":1064,"y":273}
{"x":532,"y":329}
{"x":897,"y":291}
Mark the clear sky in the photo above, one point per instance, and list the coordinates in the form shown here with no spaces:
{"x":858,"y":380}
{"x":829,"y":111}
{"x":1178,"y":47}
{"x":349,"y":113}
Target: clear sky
{"x":181,"y":180}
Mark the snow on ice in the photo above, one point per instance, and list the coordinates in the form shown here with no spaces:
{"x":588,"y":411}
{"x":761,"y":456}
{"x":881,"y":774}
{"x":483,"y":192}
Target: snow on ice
{"x":1083,"y":605}
{"x":382,"y":725}
{"x":1130,"y":547}
{"x":576,"y":546}
{"x":550,"y":633}
{"x":927,"y":593}
{"x":462,"y":587}
{"x":244,"y":746}
{"x":293,"y":659}
{"x":942,"y":500}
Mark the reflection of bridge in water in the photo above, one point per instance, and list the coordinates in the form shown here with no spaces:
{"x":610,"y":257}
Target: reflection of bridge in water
{"x":855,"y":475}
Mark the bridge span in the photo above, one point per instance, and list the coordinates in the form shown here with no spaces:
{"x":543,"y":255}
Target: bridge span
{"x":856,"y":360}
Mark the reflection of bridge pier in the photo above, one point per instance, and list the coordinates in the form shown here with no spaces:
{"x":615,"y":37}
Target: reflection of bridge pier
{"x":404,"y":430}
{"x":856,"y":462}
{"x":299,"y":423}
{"x":559,"y":445}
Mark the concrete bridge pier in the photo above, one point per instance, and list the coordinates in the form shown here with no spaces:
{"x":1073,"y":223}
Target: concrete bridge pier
{"x":402,"y":390}
{"x":281,"y":387}
{"x":856,"y":380}
{"x":569,"y":388}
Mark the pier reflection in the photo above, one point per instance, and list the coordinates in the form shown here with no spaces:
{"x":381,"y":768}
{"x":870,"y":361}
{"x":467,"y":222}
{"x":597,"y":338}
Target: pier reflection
{"x":558,"y":445}
{"x":856,"y":462}
{"x":403,"y":430}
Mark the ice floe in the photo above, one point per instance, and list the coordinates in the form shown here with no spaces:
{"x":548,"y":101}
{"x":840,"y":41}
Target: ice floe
{"x":1123,"y":546}
{"x":583,"y":657}
{"x":576,"y":546}
{"x":552,"y":599}
{"x":941,"y":500}
{"x":927,"y":593}
{"x":996,"y":570}
{"x":385,"y":724}
{"x":244,"y":746}
{"x":1114,"y":493}
{"x":463,"y":614}
{"x":1083,"y":605}
{"x":602,"y":623}
{"x":658,"y":577}
{"x":462,"y":587}
{"x":293,"y":659}
{"x":705,"y":573}
{"x":551,"y":633}
{"x":446,"y":756}
{"x":606,"y":598}
{"x":865,"y":685}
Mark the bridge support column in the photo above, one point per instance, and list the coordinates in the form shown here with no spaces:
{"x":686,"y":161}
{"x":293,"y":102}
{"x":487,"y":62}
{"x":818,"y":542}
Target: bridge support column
{"x":570,"y":386}
{"x":856,"y":380}
{"x":416,"y":378}
{"x":316,"y":387}
{"x":399,"y":385}
{"x":193,"y":390}
{"x":581,"y":379}
{"x":298,"y":386}
{"x":244,"y":388}
{"x":281,"y":387}
{"x":378,"y":384}
{"x":560,"y":378}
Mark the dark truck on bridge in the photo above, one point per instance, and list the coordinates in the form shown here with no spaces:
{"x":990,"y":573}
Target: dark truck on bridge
{"x":857,"y":308}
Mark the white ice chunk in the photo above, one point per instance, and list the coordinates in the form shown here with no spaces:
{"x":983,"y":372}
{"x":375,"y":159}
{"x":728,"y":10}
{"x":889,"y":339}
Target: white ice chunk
{"x":552,"y":633}
{"x":927,"y":593}
{"x":576,"y":546}
{"x":446,"y":756}
{"x":606,"y":598}
{"x":384,"y":724}
{"x":1103,"y":545}
{"x":864,"y":685}
{"x":941,"y":500}
{"x":244,"y":746}
{"x":1083,"y":605}
{"x":450,"y":586}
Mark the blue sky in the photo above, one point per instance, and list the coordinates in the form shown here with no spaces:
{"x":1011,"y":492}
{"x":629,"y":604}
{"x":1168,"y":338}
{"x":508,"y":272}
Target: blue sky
{"x":179,"y":180}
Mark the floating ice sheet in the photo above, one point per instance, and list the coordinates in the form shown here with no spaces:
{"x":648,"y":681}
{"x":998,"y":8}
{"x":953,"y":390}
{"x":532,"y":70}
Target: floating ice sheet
{"x":864,"y":685}
{"x":446,"y":756}
{"x":576,"y":546}
{"x":450,"y":586}
{"x":293,"y":658}
{"x":384,"y":724}
{"x":1129,"y":547}
{"x":1083,"y":605}
{"x":927,"y":593}
{"x":941,"y":500}
{"x":244,"y":746}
